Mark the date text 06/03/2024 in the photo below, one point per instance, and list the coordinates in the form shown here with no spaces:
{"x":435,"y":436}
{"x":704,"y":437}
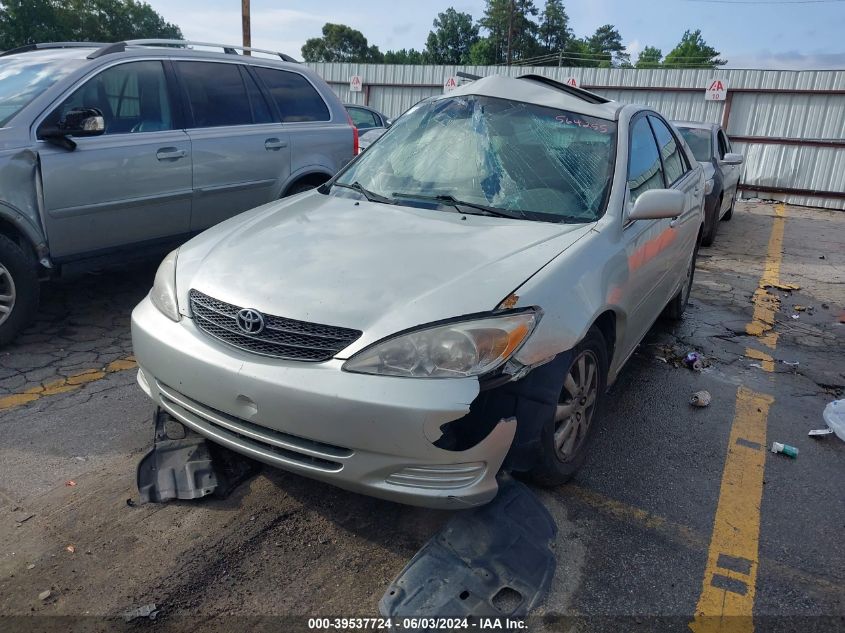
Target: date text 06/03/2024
{"x":430,"y":624}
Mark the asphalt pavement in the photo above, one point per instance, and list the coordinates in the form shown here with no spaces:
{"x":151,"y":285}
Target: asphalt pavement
{"x":681,"y":518}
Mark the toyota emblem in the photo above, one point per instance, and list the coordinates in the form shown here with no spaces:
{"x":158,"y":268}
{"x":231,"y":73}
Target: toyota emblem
{"x":250,"y":321}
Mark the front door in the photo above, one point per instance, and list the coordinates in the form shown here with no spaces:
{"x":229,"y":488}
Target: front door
{"x":241,"y":152}
{"x":133,"y":183}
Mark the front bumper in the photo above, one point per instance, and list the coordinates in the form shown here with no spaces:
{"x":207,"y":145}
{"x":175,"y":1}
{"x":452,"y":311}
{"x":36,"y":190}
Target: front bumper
{"x":367,"y":434}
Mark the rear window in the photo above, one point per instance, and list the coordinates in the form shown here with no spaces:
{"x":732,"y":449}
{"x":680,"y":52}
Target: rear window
{"x":295,"y":97}
{"x":217,"y":94}
{"x":698,"y":141}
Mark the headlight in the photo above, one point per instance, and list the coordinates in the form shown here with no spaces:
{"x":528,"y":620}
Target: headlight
{"x":708,"y":187}
{"x":454,"y":350}
{"x":163,"y":294}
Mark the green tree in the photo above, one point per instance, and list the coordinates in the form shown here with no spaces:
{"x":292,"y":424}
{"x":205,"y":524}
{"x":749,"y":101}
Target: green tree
{"x":649,"y":57}
{"x":452,"y":38}
{"x":404,"y":57}
{"x":512,"y":31}
{"x":554,"y":32}
{"x":340,"y":43}
{"x":483,"y":52}
{"x":693,"y":52}
{"x":606,"y":47}
{"x":29,"y":21}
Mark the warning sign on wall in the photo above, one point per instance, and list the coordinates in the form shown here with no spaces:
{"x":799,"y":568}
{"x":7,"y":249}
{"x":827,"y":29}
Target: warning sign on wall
{"x":355,"y":83}
{"x":450,"y":84}
{"x":572,"y":81}
{"x":717,"y":90}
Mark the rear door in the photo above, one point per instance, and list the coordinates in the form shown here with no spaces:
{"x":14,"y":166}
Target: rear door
{"x":241,"y":151}
{"x":678,"y":174}
{"x":133,"y":183}
{"x":317,"y":142}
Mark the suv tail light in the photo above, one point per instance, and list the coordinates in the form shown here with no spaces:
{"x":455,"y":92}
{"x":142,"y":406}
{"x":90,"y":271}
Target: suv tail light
{"x":354,"y":135}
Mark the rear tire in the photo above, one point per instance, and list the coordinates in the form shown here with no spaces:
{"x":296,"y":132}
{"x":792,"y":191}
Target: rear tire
{"x":675,"y":308}
{"x":19,"y":289}
{"x":712,"y":225}
{"x":565,"y":437}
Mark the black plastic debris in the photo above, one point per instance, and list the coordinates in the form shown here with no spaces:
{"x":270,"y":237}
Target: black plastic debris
{"x":492,"y":561}
{"x":184,"y":465}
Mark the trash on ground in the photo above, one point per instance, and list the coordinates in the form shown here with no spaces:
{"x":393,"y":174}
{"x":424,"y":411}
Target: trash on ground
{"x":693,"y":361}
{"x":834,"y":417}
{"x":495,"y":560}
{"x":786,"y":449}
{"x":44,"y":595}
{"x":799,"y":308}
{"x":796,"y":316}
{"x":31,"y":566}
{"x":791,"y":363}
{"x":70,"y":483}
{"x":700,"y":399}
{"x":147,"y":611}
{"x":786,"y":287}
{"x":757,"y":365}
{"x":71,"y":549}
{"x":130,"y":502}
{"x":820,"y":432}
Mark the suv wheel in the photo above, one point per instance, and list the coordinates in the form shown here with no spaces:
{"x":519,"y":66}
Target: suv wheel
{"x":18,"y":289}
{"x":565,"y":438}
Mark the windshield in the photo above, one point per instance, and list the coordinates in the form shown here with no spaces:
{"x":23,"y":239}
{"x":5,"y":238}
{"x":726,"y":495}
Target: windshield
{"x":22,"y":79}
{"x":698,"y":141}
{"x":529,"y":161}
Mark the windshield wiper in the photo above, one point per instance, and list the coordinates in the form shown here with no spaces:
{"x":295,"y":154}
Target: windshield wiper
{"x":453,"y":201}
{"x":369,"y":195}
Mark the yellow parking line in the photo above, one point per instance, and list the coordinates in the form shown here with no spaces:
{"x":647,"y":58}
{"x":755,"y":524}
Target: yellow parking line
{"x":65,"y":384}
{"x":726,"y":602}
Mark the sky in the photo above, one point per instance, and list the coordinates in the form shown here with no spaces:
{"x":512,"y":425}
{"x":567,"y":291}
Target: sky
{"x":783,"y":34}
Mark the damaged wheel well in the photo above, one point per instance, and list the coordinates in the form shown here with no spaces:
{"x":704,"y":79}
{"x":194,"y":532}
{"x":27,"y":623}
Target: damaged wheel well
{"x":9,"y":230}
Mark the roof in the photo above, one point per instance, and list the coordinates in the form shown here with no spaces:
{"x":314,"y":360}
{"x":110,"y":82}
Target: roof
{"x":530,"y":90}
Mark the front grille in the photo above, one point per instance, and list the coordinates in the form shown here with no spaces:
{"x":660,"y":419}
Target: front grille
{"x":281,"y":338}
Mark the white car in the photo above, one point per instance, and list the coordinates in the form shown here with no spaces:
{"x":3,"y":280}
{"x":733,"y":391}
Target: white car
{"x":456,"y":300}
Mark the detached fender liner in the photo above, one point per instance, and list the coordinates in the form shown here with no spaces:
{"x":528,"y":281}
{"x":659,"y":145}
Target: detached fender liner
{"x":496,"y":560}
{"x":531,"y":400}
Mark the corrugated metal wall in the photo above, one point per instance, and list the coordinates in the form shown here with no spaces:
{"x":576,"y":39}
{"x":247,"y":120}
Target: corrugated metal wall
{"x":763,"y":103}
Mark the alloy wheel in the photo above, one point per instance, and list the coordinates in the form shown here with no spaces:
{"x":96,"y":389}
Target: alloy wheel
{"x":7,"y":294}
{"x":576,"y":406}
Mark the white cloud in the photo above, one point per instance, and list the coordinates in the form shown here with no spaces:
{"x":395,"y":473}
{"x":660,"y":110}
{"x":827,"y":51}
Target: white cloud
{"x":788,"y":60}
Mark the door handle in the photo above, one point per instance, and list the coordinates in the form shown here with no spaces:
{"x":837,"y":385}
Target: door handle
{"x":170,"y":153}
{"x":274,"y":144}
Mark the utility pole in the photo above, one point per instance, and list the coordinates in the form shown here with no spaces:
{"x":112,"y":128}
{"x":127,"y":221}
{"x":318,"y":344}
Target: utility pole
{"x":510,"y":31}
{"x":247,"y":35}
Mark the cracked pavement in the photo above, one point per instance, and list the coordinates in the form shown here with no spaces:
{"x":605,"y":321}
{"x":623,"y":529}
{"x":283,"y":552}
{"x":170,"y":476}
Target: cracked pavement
{"x":633,"y":527}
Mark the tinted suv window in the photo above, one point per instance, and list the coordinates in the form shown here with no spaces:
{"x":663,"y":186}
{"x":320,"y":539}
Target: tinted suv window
{"x":723,"y":145}
{"x":295,"y":97}
{"x":644,"y":169}
{"x":216,"y":93}
{"x":363,"y":119}
{"x":673,"y":162}
{"x":132,"y":97}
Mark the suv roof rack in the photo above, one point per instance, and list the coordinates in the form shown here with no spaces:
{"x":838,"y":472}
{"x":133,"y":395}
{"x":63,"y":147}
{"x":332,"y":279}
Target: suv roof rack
{"x":48,"y":45}
{"x":579,"y":93}
{"x":229,"y":49}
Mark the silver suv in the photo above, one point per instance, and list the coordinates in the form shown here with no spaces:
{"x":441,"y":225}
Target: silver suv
{"x":114,"y":151}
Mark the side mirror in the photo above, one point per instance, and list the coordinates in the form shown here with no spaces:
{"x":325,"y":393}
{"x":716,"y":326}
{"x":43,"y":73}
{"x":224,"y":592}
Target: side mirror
{"x":76,"y":122}
{"x":656,"y":204}
{"x":388,"y":122}
{"x":733,"y":159}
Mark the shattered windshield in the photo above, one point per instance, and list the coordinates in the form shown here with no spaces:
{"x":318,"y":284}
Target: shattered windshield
{"x":698,"y":141}
{"x":525,"y":160}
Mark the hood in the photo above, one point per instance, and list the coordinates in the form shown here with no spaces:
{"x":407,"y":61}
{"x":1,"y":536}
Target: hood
{"x":374,"y":267}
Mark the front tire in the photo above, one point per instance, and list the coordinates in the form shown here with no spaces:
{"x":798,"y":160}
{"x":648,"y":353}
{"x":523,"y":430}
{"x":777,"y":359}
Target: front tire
{"x":565,"y":437}
{"x":18,"y":289}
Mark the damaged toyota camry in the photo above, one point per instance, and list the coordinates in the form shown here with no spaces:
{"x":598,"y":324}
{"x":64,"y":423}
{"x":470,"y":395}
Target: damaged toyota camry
{"x":453,"y":302}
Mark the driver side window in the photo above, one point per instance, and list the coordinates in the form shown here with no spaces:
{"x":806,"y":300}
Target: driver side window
{"x":133,"y":98}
